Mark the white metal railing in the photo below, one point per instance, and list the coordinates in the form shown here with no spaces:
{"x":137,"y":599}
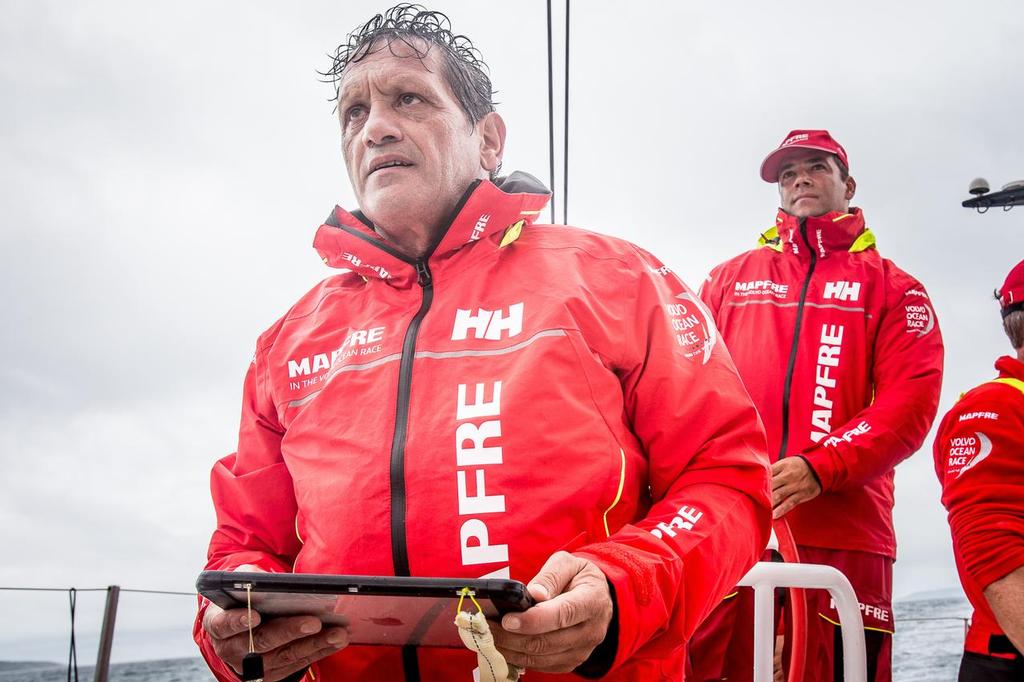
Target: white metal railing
{"x":766,"y":576}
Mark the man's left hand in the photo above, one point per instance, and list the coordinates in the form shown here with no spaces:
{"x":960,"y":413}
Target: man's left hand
{"x":793,"y":483}
{"x":570,"y":619}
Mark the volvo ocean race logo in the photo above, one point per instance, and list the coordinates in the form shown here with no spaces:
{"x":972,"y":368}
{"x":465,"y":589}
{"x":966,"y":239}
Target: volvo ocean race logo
{"x":967,"y":452}
{"x":693,"y":327}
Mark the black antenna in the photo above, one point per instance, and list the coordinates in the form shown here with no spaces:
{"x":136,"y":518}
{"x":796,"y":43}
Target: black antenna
{"x":551,"y":117}
{"x":565,"y":159}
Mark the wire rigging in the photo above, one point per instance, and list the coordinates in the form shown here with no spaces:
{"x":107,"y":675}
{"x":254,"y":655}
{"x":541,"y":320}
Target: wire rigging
{"x":72,"y":652}
{"x":551,"y":117}
{"x":565,"y":155}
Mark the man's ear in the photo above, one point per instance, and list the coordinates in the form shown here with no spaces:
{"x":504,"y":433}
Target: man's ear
{"x":851,"y":187}
{"x":492,"y":141}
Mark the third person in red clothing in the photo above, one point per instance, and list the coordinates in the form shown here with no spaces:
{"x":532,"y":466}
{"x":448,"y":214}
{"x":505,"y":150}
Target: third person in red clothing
{"x":842,"y":354}
{"x":979,"y":458}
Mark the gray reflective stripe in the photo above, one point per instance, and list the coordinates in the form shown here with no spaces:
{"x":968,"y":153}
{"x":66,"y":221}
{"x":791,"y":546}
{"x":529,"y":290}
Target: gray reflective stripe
{"x":346,"y":368}
{"x":429,"y":354}
{"x":830,"y":306}
{"x":484,"y":353}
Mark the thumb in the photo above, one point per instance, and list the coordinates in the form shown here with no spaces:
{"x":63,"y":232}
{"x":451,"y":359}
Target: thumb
{"x":557,"y":572}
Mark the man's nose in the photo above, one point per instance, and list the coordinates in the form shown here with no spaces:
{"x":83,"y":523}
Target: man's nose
{"x":382,"y":126}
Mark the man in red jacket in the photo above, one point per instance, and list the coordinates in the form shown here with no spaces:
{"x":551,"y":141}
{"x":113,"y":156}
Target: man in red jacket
{"x":979,"y":459}
{"x":475,"y":395}
{"x":841,"y":352}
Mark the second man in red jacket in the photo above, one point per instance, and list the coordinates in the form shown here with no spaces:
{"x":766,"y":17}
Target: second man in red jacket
{"x":841,"y":353}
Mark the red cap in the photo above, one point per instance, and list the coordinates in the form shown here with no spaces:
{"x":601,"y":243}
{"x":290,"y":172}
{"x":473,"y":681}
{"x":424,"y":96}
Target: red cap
{"x":801,"y":139}
{"x":1011,"y":294}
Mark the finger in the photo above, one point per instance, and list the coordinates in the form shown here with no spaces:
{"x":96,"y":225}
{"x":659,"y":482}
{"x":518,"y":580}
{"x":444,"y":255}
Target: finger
{"x":557,"y":572}
{"x":302,"y":653}
{"x":559,"y":651}
{"x":221,"y":624}
{"x":281,"y":631}
{"x":547,"y":644}
{"x":583,"y":602}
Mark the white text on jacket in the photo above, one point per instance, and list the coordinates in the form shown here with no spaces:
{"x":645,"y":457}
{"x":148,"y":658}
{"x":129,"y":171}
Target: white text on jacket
{"x":488,"y":324}
{"x":477,"y":447}
{"x":828,"y":356}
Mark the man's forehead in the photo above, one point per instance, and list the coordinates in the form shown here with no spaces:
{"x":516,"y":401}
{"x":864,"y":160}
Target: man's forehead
{"x":798,"y":156}
{"x":389,"y":58}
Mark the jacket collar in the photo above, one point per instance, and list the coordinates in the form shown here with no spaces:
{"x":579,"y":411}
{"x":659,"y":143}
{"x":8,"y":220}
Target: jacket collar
{"x":826,"y":234}
{"x":348,"y":240}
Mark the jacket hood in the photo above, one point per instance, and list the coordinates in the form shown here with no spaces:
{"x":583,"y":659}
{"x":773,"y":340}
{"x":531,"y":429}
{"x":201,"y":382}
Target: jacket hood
{"x":348,"y":240}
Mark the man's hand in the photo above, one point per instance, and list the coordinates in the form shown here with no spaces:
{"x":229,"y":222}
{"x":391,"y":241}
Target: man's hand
{"x":287,"y":645}
{"x":570,"y":619}
{"x":793,"y":483}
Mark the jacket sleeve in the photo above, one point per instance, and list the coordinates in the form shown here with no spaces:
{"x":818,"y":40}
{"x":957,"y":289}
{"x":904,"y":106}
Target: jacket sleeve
{"x":708,"y":470}
{"x":907,"y":377}
{"x":253,"y":499}
{"x":978,"y":461}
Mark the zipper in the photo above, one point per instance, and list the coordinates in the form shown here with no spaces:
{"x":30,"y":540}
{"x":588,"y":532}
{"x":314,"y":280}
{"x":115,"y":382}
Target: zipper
{"x":787,"y":386}
{"x":399,"y":545}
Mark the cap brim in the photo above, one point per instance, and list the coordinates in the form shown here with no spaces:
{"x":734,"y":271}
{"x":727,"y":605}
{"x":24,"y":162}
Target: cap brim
{"x":771,"y":163}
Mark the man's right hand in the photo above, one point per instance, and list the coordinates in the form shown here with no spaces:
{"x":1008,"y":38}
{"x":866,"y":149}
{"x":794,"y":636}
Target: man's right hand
{"x":287,"y":644}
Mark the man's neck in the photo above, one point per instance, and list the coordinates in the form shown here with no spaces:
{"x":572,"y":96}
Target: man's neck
{"x":1020,"y":353}
{"x":412,"y":242}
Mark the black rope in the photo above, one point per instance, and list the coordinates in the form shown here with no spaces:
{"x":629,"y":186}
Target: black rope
{"x":551,"y":116}
{"x":565,"y":159}
{"x":72,"y":653}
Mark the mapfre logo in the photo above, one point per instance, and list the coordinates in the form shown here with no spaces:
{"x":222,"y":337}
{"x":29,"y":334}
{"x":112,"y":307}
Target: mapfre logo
{"x":761,"y":287}
{"x":842,"y":291}
{"x":794,"y":139}
{"x":488,"y":324}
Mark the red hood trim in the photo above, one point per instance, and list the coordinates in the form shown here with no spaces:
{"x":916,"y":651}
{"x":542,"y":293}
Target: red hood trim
{"x":1011,"y":367}
{"x":834,"y":231}
{"x":345,"y":241}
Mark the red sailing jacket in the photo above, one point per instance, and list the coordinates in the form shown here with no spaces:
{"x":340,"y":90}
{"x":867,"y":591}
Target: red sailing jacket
{"x":525,"y":389}
{"x":979,"y":459}
{"x":856,"y":391}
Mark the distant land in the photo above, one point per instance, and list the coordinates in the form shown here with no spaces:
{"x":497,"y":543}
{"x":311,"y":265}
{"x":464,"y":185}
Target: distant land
{"x":945,"y":593}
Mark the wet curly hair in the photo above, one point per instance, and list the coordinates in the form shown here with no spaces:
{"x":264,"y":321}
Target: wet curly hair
{"x":420,"y":29}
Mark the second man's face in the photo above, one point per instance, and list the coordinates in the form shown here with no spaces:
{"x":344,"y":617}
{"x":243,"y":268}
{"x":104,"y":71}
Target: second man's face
{"x":810,"y":184}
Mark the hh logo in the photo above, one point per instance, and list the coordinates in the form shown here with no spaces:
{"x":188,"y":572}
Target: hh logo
{"x":843,"y":291}
{"x":488,"y":324}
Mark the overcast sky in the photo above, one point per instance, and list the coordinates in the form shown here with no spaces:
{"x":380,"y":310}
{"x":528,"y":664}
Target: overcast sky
{"x":163,"y":167}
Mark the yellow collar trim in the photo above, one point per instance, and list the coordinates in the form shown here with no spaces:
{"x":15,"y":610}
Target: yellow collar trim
{"x":512,"y":233}
{"x":1009,"y":381}
{"x":865,"y":241}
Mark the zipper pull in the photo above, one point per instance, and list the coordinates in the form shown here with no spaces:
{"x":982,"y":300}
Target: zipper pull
{"x":423,"y":274}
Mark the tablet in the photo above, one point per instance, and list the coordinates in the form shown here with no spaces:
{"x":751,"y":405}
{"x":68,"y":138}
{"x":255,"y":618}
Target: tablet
{"x":377,"y":610}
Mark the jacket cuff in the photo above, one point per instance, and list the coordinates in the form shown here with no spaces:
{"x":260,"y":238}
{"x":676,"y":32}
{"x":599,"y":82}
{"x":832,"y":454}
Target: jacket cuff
{"x":601,"y":659}
{"x":820,"y":460}
{"x":639,"y":611}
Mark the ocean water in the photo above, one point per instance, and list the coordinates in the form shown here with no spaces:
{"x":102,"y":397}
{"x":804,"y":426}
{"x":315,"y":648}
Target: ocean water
{"x":171,"y":670}
{"x":927,"y":648}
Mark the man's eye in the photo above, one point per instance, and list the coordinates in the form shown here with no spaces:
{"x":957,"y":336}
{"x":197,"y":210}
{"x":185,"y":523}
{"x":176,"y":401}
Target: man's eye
{"x":409,"y":98}
{"x":354,"y":113}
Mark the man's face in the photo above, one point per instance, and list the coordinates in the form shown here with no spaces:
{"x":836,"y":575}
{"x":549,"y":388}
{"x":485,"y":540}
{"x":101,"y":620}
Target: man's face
{"x":409,"y":148}
{"x":810,"y":184}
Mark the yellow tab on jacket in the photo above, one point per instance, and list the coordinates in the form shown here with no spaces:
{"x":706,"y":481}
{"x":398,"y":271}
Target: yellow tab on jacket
{"x":512,"y":233}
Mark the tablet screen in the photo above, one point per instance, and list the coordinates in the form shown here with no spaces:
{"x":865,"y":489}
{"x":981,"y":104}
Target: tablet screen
{"x":376,"y":610}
